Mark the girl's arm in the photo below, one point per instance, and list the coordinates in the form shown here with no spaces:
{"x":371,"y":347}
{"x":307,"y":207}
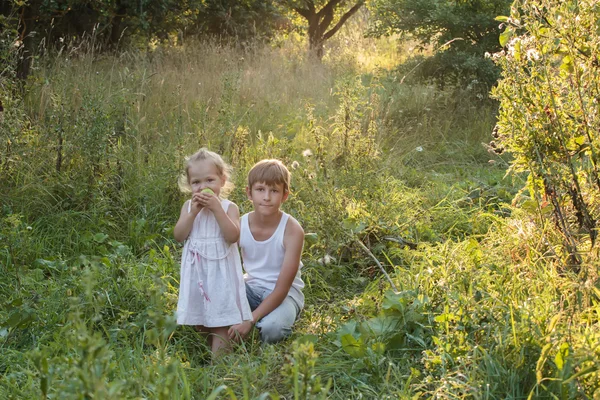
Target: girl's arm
{"x":293,"y":240}
{"x":186,"y":222}
{"x":229,"y":221}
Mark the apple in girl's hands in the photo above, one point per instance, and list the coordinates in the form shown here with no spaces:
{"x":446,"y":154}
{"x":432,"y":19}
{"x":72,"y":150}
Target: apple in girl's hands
{"x":208,"y":198}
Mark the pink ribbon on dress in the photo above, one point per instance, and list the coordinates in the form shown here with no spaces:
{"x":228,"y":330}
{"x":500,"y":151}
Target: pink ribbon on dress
{"x":196,"y":256}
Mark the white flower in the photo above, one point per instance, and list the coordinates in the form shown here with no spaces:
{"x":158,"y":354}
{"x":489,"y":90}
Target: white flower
{"x":325,"y":260}
{"x":419,"y":148}
{"x":307,"y":153}
{"x":533,"y":54}
{"x":295,"y":164}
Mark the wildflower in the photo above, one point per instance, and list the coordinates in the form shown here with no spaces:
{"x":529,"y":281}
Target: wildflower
{"x":533,"y":54}
{"x":307,"y":153}
{"x":326,"y":260}
{"x":295,"y":164}
{"x":419,"y":149}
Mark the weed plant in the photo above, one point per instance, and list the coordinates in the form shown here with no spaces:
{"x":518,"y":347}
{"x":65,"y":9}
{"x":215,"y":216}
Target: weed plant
{"x":482,"y":308}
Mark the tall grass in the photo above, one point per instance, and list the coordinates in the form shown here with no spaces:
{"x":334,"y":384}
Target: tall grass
{"x":89,"y":205}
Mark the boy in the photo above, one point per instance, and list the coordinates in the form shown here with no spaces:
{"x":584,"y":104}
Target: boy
{"x":271,"y":243}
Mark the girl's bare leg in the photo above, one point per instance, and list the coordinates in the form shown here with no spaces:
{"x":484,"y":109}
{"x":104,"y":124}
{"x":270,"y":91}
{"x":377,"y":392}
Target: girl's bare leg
{"x":220,"y":341}
{"x":205,"y":332}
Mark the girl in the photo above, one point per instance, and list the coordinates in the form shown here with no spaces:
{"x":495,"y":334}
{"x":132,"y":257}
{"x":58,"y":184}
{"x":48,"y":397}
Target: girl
{"x":212,"y":295}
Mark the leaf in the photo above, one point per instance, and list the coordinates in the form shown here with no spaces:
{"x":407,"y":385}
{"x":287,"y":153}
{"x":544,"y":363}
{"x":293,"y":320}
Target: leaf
{"x":567,"y":64}
{"x":501,"y":18}
{"x":354,"y":347}
{"x":308,"y":339}
{"x":563,"y":352}
{"x":310,"y":238}
{"x":529,"y":205}
{"x":585,"y":371}
{"x":505,"y":36}
{"x":216,"y":392}
{"x":445,"y":317}
{"x":100,"y":237}
{"x":353,"y":224}
{"x":379,"y":326}
{"x":378,"y":348}
{"x":347,"y":328}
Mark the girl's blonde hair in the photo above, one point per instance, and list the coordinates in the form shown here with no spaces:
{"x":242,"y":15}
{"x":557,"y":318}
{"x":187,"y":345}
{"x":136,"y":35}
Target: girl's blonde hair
{"x":223,"y":169}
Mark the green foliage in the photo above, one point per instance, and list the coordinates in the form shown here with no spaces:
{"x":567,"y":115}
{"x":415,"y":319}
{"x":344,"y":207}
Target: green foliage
{"x":300,"y":372}
{"x":547,"y":94}
{"x":243,"y":20}
{"x":460,"y":32}
{"x":483,"y":308}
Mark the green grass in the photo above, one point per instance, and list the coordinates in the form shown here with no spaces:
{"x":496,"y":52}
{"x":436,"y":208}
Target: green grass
{"x":486,"y":308}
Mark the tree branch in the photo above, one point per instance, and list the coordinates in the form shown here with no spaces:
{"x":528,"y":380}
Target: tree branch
{"x":342,"y":20}
{"x":328,"y":8}
{"x":302,"y":11}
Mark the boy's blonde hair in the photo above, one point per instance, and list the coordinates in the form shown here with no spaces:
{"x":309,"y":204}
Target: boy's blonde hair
{"x":270,"y":172}
{"x":223,"y":169}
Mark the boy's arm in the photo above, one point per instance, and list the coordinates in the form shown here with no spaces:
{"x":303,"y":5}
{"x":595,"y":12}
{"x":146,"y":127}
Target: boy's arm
{"x":293,"y":240}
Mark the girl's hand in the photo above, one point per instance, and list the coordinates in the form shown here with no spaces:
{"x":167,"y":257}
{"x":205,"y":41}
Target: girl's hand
{"x":209,"y":201}
{"x":195,"y":205}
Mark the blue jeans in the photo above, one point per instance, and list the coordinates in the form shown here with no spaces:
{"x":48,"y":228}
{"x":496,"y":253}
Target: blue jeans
{"x":277,"y":325}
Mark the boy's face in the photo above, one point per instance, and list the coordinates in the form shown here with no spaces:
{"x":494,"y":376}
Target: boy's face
{"x":267,"y":199}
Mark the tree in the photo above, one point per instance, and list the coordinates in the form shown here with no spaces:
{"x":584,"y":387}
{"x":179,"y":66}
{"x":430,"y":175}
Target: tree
{"x":319,"y":22}
{"x":469,"y":26}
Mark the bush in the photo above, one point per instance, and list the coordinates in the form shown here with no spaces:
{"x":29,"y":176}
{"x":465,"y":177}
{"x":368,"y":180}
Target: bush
{"x":547,"y":119}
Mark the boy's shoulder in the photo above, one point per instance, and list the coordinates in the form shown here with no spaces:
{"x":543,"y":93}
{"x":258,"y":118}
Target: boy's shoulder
{"x":293,"y":229}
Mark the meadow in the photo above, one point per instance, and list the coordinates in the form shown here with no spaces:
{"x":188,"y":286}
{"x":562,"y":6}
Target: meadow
{"x":386,"y":171}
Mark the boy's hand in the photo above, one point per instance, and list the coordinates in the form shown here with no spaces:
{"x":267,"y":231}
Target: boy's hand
{"x":240,"y":331}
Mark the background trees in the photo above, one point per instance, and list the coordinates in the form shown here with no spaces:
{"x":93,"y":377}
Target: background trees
{"x":467,"y":28}
{"x":459,"y":32}
{"x":324,"y":19}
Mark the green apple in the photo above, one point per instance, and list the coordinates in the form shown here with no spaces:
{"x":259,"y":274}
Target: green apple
{"x":207,"y":190}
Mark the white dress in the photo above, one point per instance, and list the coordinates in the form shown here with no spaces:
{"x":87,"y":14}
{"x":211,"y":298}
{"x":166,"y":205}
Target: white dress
{"x":211,"y":286}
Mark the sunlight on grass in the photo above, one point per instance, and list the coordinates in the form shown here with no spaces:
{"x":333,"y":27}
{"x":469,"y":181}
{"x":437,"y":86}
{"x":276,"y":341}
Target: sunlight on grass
{"x":485,"y":308}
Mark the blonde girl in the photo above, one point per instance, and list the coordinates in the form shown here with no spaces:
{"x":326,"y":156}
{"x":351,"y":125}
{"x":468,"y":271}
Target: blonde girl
{"x":212,"y":294}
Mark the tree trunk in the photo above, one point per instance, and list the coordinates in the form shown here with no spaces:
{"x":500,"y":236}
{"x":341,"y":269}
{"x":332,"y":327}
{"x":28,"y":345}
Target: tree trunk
{"x":25,"y":28}
{"x":319,"y":22}
{"x":315,"y":38}
{"x":115,"y":25}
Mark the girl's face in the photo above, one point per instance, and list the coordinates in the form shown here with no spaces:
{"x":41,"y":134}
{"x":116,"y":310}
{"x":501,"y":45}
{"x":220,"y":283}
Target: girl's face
{"x":203,"y":174}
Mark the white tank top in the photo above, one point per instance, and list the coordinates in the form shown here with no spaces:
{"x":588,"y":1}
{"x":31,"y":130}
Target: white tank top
{"x":262,"y":260}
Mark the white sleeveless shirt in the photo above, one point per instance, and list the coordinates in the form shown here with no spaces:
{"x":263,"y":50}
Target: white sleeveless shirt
{"x":262,"y":260}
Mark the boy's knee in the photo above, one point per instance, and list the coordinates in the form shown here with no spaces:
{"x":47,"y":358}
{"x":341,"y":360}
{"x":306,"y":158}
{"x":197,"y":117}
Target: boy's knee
{"x":272,"y":332}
